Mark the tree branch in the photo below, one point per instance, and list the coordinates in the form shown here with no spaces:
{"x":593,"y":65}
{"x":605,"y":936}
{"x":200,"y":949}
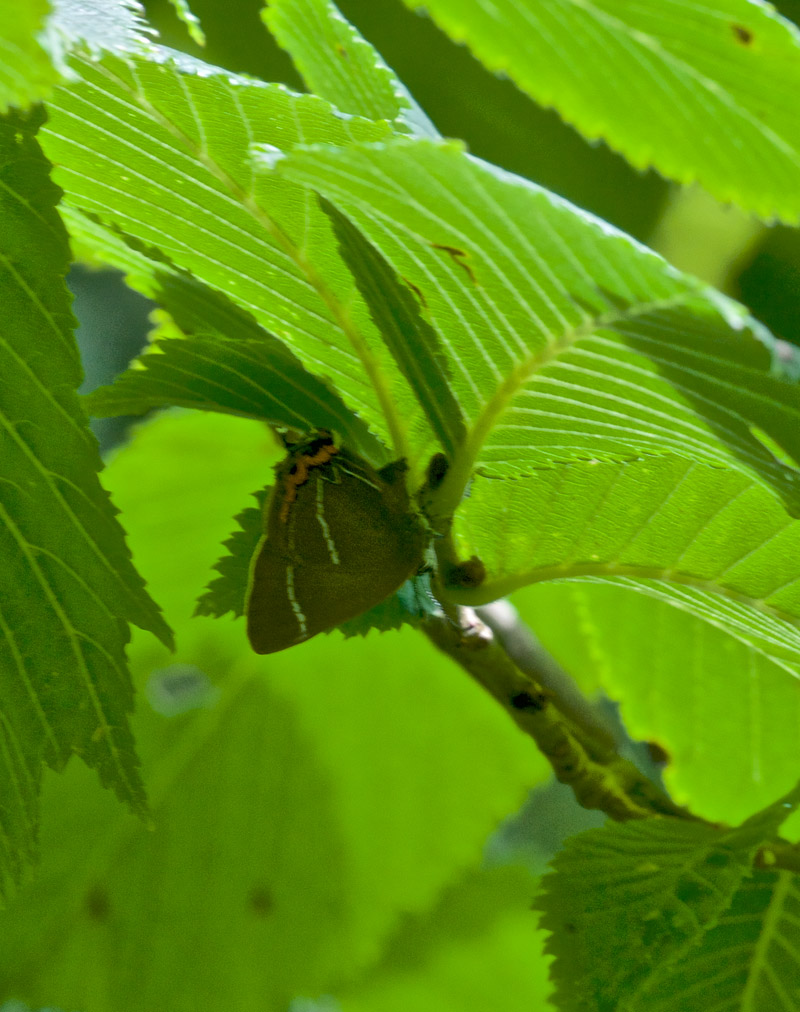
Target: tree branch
{"x":580,"y":753}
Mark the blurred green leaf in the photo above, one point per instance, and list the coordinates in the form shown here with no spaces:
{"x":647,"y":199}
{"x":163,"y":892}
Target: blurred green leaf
{"x":276,"y":866}
{"x":26,"y":71}
{"x":481,"y":941}
{"x":190,"y":20}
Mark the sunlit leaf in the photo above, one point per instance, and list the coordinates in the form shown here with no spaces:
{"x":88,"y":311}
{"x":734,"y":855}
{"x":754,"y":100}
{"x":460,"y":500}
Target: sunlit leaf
{"x":339,"y":65}
{"x":26,"y":71}
{"x":722,"y":711}
{"x":564,"y":339}
{"x":161,"y":150}
{"x":701,"y":92}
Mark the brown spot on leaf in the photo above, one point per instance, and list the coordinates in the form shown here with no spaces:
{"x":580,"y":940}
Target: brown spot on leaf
{"x":742,"y":34}
{"x":459,"y":257}
{"x":260,"y":900}
{"x":97,"y":904}
{"x":417,"y":292}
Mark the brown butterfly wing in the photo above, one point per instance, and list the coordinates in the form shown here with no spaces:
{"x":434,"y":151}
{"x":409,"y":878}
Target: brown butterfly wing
{"x":348,"y":540}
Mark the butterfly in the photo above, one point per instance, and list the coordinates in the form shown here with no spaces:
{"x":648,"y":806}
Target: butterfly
{"x":339,"y":537}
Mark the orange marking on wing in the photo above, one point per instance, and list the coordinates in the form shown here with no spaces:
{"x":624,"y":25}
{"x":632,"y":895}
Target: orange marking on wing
{"x":299,"y":475}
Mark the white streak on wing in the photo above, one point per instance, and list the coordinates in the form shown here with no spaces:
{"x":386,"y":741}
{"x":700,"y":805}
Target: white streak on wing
{"x":326,"y":531}
{"x":298,"y":611}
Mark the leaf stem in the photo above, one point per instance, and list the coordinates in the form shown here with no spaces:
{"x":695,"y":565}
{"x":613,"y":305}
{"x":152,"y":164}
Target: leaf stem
{"x":525,"y":650}
{"x":455,"y":483}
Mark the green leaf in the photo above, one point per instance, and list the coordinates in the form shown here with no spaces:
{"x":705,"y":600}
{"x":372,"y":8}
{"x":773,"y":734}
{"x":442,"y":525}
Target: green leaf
{"x":26,"y":72}
{"x":565,"y":339}
{"x":192,"y":23}
{"x":750,"y":960}
{"x":710,"y":531}
{"x":17,"y":1006}
{"x":479,"y":942}
{"x":627,"y":902}
{"x":67,"y":585}
{"x":698,"y":92}
{"x":226,"y":592}
{"x":339,"y":65}
{"x":161,"y":152}
{"x":226,"y":363}
{"x":722,"y":710}
{"x":414,"y":344}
